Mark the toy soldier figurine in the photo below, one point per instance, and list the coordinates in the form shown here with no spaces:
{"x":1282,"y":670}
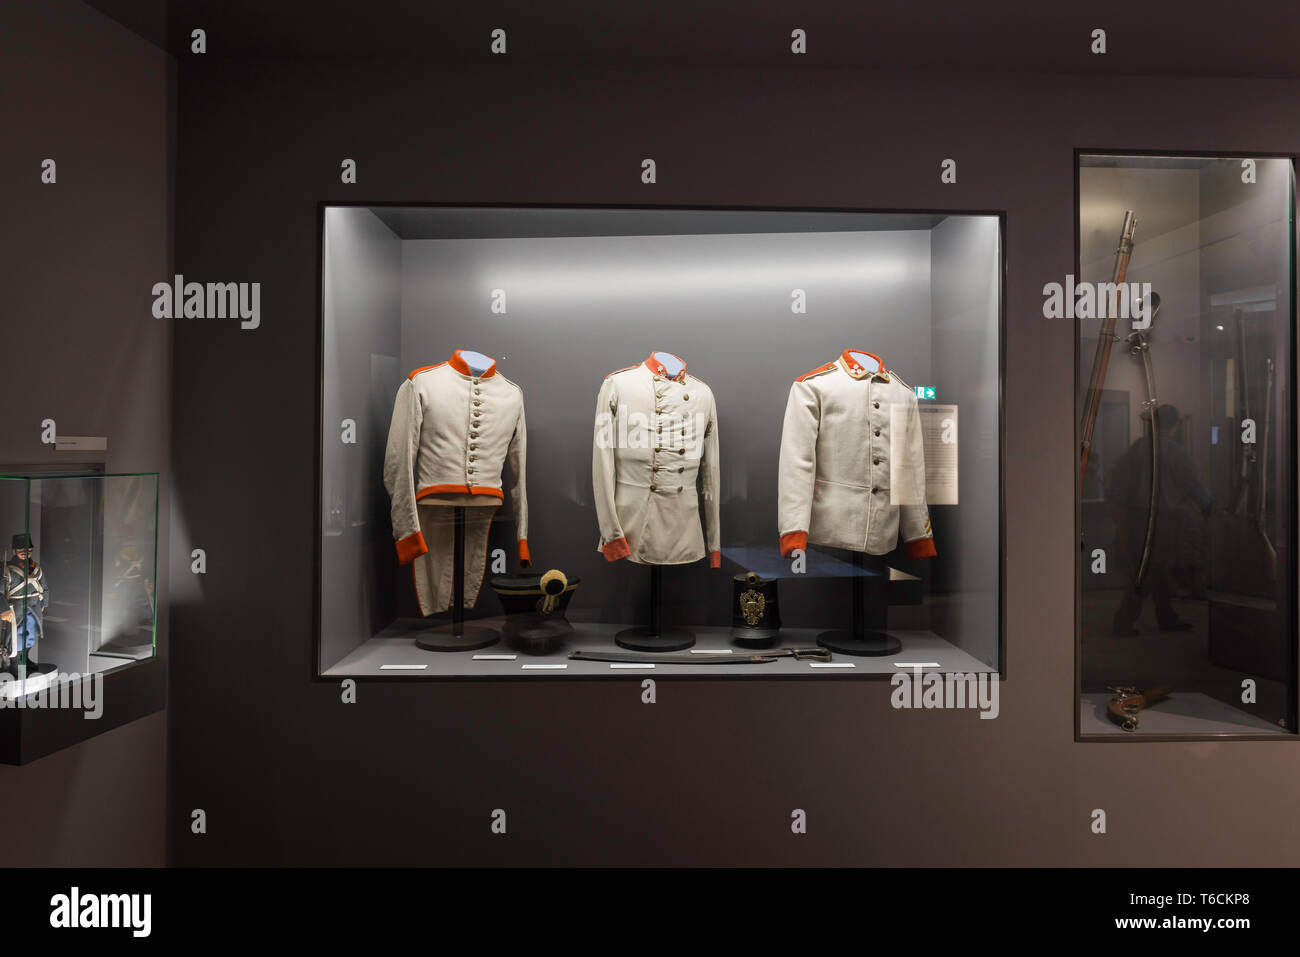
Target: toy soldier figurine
{"x":24,"y":601}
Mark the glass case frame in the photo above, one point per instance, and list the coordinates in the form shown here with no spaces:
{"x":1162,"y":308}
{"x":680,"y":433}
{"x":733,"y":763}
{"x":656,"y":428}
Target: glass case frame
{"x":95,"y":652}
{"x":320,"y":666}
{"x":1290,"y":725}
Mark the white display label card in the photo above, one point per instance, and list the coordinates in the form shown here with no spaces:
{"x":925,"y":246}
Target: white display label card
{"x":543,"y":667}
{"x":81,"y":443}
{"x":495,"y":657}
{"x":831,"y":664}
{"x":939,"y":434}
{"x":906,"y":480}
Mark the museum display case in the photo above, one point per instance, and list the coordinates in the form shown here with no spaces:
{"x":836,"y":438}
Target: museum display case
{"x":78,"y":620}
{"x":795,"y":441}
{"x":1184,"y":299}
{"x":79,"y":575}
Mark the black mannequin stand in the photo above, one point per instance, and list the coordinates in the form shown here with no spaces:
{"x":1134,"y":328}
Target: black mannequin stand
{"x":867,"y":638}
{"x":456,"y":635}
{"x":656,"y":637}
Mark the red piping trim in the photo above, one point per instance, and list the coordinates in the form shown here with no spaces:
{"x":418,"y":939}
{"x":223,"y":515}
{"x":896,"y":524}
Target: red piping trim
{"x":793,"y":540}
{"x":459,"y":489}
{"x":818,"y":371}
{"x":854,"y":366}
{"x":461,"y":366}
{"x":425,"y":369}
{"x":616,"y":549}
{"x":920,"y":548}
{"x":657,"y":367}
{"x":411,"y":547}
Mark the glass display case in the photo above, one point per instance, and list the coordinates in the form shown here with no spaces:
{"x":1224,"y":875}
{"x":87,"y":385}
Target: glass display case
{"x":1185,"y":300}
{"x":80,"y":596}
{"x":571,"y":441}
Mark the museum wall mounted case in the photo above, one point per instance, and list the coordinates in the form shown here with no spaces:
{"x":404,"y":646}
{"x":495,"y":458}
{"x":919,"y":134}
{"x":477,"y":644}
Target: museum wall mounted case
{"x":522,"y":409}
{"x":1187,"y":604}
{"x":79,"y":603}
{"x":783,"y":487}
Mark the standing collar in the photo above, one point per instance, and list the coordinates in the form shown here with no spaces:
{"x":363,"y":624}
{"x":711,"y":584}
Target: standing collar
{"x":856,"y":369}
{"x":461,"y":366}
{"x":657,"y":367}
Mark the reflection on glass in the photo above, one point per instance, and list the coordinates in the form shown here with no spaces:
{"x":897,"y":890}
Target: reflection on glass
{"x":749,"y":301}
{"x":78,"y":576}
{"x":1186,"y":441}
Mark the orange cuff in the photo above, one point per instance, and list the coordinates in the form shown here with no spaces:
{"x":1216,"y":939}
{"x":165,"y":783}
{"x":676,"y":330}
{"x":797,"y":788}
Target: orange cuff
{"x":793,"y":540}
{"x":920,"y":548}
{"x":524,"y":558}
{"x":715,"y":559}
{"x":411,"y":547}
{"x":616,"y":549}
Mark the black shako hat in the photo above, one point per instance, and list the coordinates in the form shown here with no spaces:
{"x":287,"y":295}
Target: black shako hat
{"x":755,"y":612}
{"x":22,"y":540}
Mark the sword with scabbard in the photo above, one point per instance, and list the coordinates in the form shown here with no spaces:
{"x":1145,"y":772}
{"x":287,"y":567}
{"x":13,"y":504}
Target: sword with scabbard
{"x":760,"y":658}
{"x":1105,"y":339}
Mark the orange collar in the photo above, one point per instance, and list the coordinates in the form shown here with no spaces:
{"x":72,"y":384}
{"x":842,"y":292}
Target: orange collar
{"x":657,"y":367}
{"x":461,"y":366}
{"x":856,"y":369}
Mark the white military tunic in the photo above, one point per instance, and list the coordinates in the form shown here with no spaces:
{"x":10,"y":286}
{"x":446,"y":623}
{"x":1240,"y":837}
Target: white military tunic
{"x":656,"y":439}
{"x":852,"y":470}
{"x":451,"y":434}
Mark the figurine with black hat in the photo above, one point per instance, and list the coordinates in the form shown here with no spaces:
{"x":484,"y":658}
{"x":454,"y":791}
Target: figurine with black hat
{"x":25,"y":601}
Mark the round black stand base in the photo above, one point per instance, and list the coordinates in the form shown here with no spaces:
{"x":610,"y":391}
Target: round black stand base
{"x":750,"y":642}
{"x":871,"y":644}
{"x":642,"y":639}
{"x":444,"y":638}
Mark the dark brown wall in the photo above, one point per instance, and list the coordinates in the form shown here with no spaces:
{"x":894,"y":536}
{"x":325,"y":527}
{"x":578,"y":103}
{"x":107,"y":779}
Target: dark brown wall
{"x":77,"y":344}
{"x":709,"y":774}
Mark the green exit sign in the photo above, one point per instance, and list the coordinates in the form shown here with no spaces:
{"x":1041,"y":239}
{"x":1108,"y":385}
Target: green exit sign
{"x":925,"y":392}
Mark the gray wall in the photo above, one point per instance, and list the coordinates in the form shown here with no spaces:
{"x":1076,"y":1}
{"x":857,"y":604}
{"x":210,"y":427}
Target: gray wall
{"x":966,"y":267}
{"x":361,"y":302}
{"x":590,"y":774}
{"x":582,"y":307}
{"x":80,"y":346}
